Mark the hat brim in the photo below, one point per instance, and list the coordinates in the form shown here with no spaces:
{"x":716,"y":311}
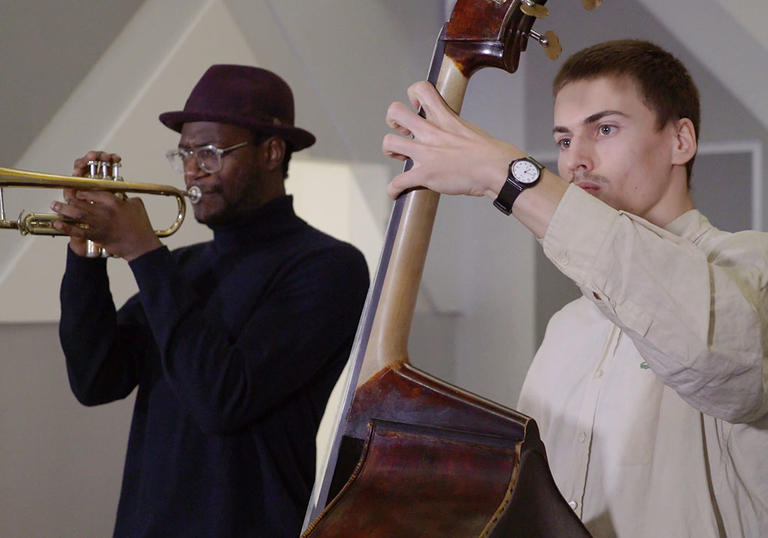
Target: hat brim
{"x":296,"y":137}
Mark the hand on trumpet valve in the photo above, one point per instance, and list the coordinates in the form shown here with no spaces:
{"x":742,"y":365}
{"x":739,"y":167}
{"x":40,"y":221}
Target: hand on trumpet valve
{"x":118,"y":224}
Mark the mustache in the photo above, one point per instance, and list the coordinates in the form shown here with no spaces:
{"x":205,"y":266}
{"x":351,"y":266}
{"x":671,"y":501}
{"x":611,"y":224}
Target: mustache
{"x":586,"y":176}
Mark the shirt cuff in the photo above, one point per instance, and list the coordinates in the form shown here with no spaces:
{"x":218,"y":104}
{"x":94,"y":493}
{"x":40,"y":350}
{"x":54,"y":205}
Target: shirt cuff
{"x":83,"y":270}
{"x":147,"y":267}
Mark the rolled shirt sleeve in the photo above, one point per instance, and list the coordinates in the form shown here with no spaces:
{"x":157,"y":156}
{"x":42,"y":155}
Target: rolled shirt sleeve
{"x":694,"y":303}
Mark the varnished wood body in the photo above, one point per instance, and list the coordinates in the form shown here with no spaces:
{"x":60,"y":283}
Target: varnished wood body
{"x":413,"y":455}
{"x":406,"y":394}
{"x":417,"y":476}
{"x":439,"y":461}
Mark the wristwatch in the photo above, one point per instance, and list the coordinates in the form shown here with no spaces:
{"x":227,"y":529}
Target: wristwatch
{"x":523,"y":173}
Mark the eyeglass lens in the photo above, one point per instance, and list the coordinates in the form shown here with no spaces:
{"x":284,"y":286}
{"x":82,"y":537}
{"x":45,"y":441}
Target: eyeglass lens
{"x":208,"y":159}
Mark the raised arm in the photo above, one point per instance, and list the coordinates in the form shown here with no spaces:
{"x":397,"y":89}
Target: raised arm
{"x":694,"y":305}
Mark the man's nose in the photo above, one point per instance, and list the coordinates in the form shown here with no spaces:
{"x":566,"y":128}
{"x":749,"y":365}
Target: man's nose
{"x":192,"y":169}
{"x":579,"y":158}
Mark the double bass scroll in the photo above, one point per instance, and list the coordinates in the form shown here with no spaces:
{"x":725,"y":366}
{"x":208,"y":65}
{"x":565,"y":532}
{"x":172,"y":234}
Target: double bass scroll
{"x":412,"y":455}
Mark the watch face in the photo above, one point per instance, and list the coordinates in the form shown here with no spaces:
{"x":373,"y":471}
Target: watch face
{"x":525,"y":171}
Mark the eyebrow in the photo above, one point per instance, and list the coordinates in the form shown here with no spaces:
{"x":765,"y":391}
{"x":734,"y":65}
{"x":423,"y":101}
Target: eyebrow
{"x":590,"y":119}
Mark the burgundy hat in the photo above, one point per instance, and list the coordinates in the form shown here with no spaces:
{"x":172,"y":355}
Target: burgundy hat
{"x":241,"y":95}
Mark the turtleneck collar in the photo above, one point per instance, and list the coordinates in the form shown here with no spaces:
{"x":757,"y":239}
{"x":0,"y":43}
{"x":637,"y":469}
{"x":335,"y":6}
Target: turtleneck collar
{"x":272,"y":219}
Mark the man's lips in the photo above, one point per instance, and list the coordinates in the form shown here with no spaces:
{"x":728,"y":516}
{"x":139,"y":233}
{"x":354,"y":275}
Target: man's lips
{"x":207,"y":191}
{"x":588,"y":186}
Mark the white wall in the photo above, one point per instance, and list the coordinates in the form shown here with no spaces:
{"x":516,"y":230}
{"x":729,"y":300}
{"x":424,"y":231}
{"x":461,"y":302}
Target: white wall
{"x":60,"y":463}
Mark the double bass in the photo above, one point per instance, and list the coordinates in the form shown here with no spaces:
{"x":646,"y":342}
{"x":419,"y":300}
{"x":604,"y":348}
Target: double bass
{"x":412,"y":455}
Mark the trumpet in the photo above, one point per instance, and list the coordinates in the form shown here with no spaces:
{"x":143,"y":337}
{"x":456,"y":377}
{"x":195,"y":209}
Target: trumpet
{"x":105,"y":178}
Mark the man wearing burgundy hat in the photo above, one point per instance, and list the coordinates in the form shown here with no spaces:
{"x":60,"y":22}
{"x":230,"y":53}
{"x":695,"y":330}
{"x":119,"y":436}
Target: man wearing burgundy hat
{"x":235,"y":343}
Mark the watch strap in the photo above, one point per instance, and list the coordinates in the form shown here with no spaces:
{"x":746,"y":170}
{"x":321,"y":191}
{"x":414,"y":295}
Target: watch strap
{"x":507,"y":196}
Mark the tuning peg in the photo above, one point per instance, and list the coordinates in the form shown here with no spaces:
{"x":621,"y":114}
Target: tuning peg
{"x":589,"y":5}
{"x":529,"y":7}
{"x":550,"y":42}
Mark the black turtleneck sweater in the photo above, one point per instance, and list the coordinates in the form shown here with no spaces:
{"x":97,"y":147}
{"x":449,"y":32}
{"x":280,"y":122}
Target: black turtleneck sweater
{"x":235,"y":345}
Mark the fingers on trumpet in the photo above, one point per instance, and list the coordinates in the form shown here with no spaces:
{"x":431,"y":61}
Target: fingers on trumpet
{"x":84,"y":212}
{"x":72,"y":217}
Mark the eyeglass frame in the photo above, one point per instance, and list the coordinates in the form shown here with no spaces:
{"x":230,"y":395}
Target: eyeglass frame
{"x":185,"y":154}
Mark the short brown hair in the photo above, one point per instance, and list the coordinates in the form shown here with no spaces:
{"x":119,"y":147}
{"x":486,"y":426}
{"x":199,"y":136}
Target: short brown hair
{"x":663,"y":81}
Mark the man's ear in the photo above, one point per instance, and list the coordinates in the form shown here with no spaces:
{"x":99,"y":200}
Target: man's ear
{"x":274,"y":153}
{"x":685,"y":142}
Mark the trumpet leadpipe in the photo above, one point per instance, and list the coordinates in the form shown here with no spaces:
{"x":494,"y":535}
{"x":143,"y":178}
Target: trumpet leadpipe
{"x":42,"y":223}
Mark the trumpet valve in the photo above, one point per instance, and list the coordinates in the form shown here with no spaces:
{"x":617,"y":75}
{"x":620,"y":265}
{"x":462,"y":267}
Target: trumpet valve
{"x":102,"y":170}
{"x":93,"y":169}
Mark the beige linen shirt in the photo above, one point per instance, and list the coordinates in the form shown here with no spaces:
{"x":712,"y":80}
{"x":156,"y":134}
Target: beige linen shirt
{"x":650,"y":389}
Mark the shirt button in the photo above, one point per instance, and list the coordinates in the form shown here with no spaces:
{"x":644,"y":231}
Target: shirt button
{"x":598,"y":374}
{"x":582,"y":437}
{"x":564,"y":258}
{"x":573,"y":504}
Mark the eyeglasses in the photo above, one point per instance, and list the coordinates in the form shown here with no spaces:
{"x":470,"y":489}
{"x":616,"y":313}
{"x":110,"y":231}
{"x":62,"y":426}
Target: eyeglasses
{"x":208,"y":157}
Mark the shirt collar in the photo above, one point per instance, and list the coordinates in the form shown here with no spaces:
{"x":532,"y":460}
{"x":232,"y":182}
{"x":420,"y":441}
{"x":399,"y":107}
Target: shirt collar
{"x":691,"y":225}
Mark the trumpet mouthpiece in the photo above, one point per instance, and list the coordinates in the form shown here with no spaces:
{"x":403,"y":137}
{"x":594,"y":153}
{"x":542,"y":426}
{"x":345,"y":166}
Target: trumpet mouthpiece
{"x":194,"y":194}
